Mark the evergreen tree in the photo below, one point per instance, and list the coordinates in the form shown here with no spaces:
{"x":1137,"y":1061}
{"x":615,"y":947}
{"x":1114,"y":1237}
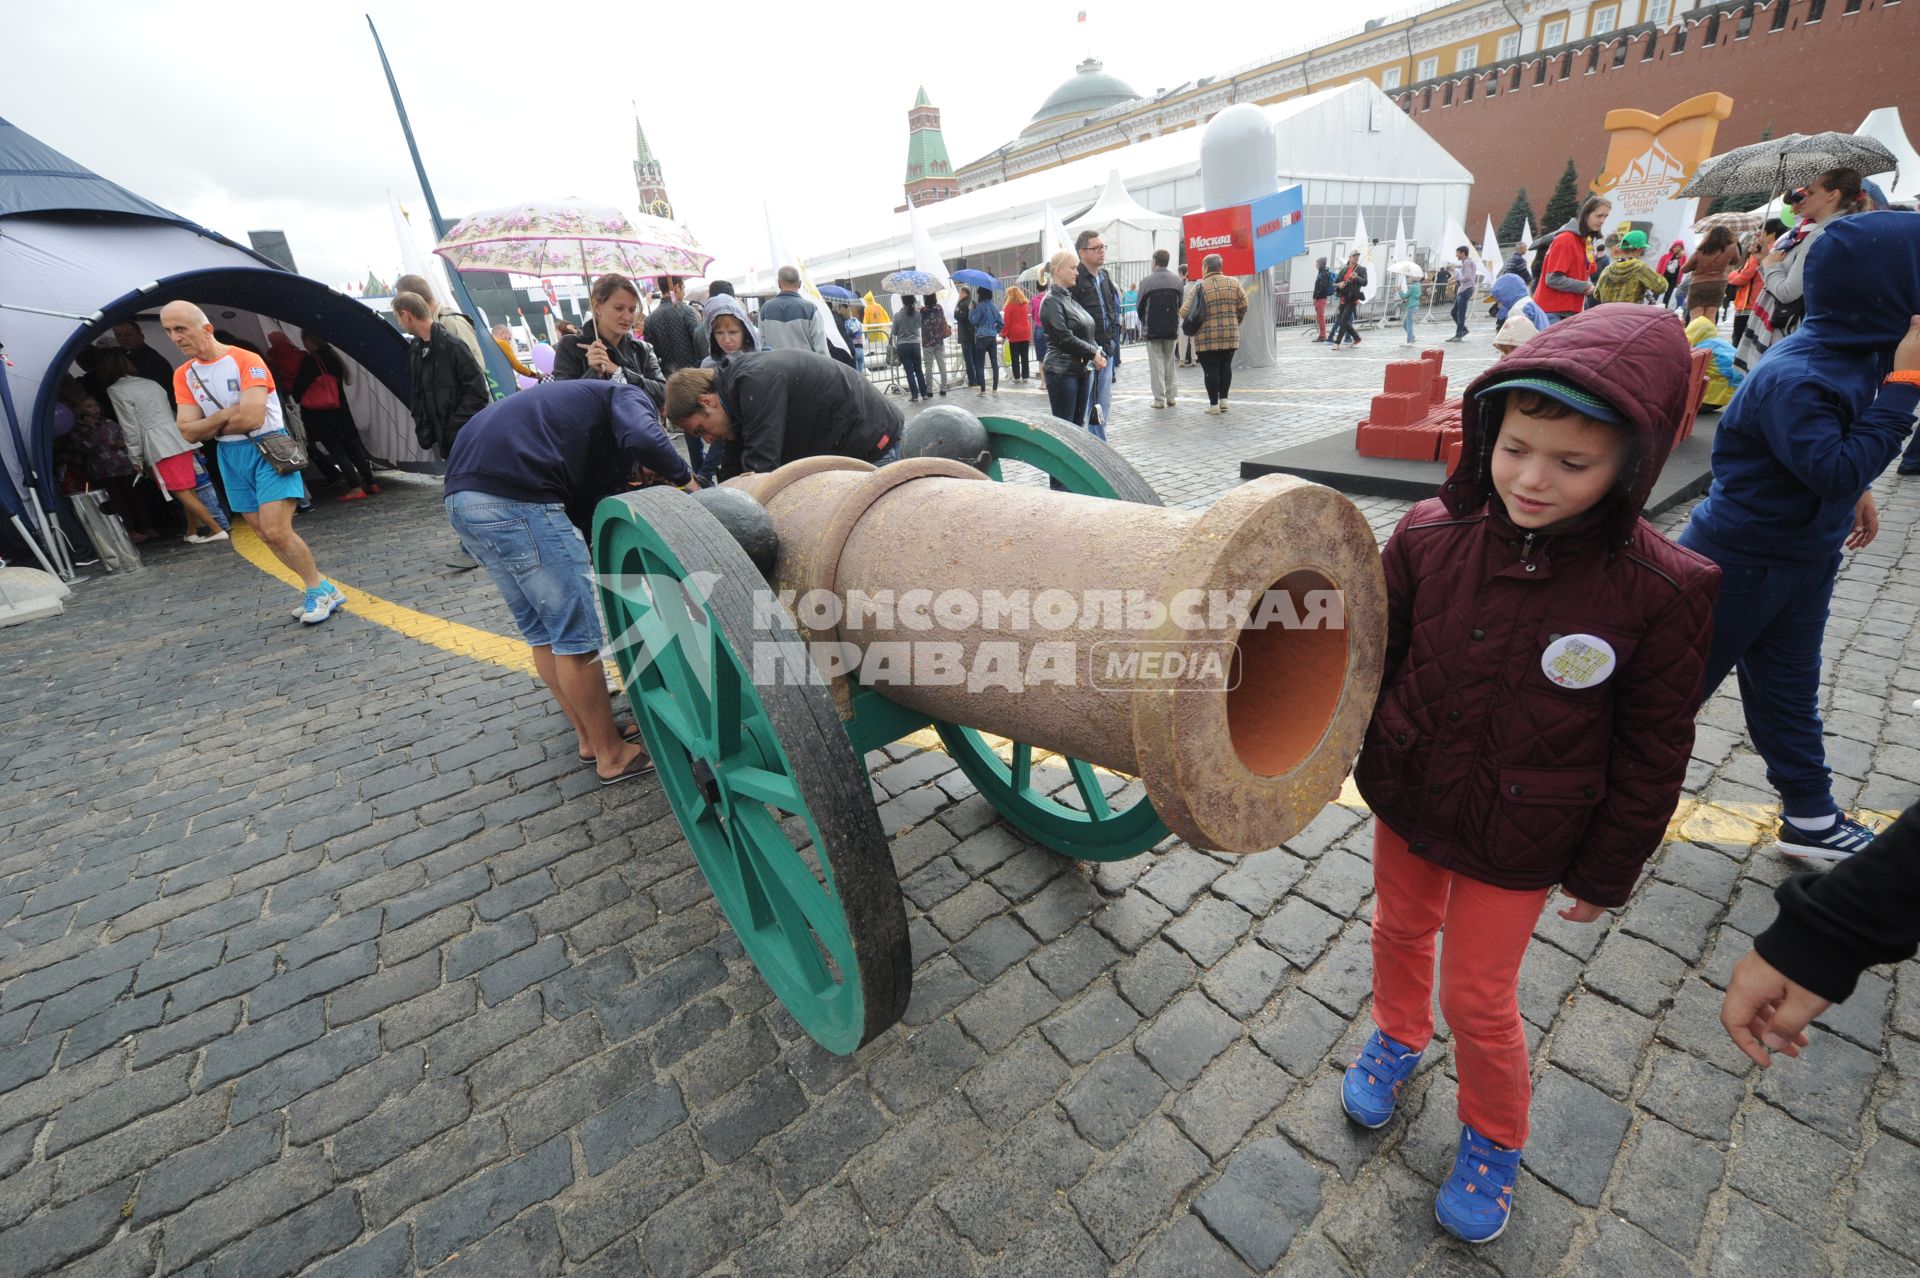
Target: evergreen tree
{"x":1518,"y":218}
{"x":1565,"y":201}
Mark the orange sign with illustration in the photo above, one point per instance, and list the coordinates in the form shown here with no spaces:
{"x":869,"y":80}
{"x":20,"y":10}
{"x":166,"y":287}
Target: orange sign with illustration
{"x":1649,"y":158}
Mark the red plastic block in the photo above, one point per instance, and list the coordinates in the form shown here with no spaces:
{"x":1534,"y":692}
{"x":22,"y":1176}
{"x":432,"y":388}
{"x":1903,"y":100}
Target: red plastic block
{"x":1438,"y":391}
{"x":1412,"y":375}
{"x":1397,"y":408}
{"x":1450,"y":453}
{"x":1397,"y":442}
{"x":1437,"y":358}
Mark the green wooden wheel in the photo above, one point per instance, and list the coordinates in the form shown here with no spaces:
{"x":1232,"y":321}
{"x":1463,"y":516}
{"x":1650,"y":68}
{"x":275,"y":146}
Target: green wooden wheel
{"x":1079,"y":820}
{"x":756,"y":765}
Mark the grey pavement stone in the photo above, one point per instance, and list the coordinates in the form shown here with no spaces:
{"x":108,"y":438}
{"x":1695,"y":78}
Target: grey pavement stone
{"x":921,"y":1246}
{"x":925,"y":1066}
{"x":1260,"y":880}
{"x":1060,"y":905}
{"x":1112,"y":1098}
{"x":424,"y":1014}
{"x":1602,"y":1043}
{"x":527,"y":1247}
{"x":1313,"y":1119}
{"x":1026,"y":872}
{"x":1299,"y":932}
{"x":1266,"y":1195}
{"x":1091,"y":1025}
{"x":280,"y":1082}
{"x":1754,"y":1241}
{"x":260,"y":1042}
{"x":453,"y":1049}
{"x":1668,"y":1179}
{"x":1245,"y":979}
{"x":996,"y":1015}
{"x":757,"y":1108}
{"x":435,"y":1166}
{"x":118,"y":1104}
{"x":484,"y":945}
{"x":1344,"y":978}
{"x":1693,"y":1025}
{"x":1131,"y":921}
{"x":97,"y":1033}
{"x":712,"y":1219}
{"x":938,"y":987}
{"x":1673,"y":918}
{"x":1357,"y":1222}
{"x":1827,"y":1090}
{"x":1020,"y":1181}
{"x":1576,"y":1135}
{"x":1863,"y":1017}
{"x":1208,"y":930}
{"x":1784,"y":1165}
{"x":1634,"y":972}
{"x":637,"y":1120}
{"x":507,"y":977}
{"x":904,"y":1165}
{"x":1019,"y":1080}
{"x":605,"y":1208}
{"x":1882,"y":1205}
{"x":823,"y":1141}
{"x":46,"y":1242}
{"x":729,"y":1059}
{"x":1541,"y":1233}
{"x":993,"y":947}
{"x":1180,"y":876}
{"x":527,"y":1060}
{"x":1058,"y":1247}
{"x":356,"y":1095}
{"x":1339,"y":882}
{"x":242,"y":1207}
{"x":1151,"y":978}
{"x":1123,"y":1200}
{"x":195,"y":1030}
{"x":288,"y":1245}
{"x":1301,"y":1031}
{"x":819,"y":1239}
{"x":1692,"y":1095}
{"x":658,"y":993}
{"x":1068,"y":964}
{"x":383,"y":989}
{"x":194,"y":1173}
{"x":1237,"y":1091}
{"x":126,"y":1150}
{"x":489,"y":1200}
{"x":1619,"y":1248}
{"x":1185,"y":1037}
{"x":1186,"y":1249}
{"x":1546,"y":978}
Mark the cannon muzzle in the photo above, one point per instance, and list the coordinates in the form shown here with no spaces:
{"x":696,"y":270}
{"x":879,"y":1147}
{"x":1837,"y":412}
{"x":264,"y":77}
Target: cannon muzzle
{"x":1228,"y":658}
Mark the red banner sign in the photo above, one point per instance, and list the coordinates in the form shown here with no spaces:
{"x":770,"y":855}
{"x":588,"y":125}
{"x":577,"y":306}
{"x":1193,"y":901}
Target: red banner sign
{"x":1228,"y":232}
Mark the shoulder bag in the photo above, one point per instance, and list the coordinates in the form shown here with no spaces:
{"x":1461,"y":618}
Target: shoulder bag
{"x":323,"y":392}
{"x":281,"y":450}
{"x":1196,"y":311}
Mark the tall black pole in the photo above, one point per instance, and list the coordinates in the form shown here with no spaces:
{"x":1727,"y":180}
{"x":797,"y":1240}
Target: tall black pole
{"x":499,"y":373}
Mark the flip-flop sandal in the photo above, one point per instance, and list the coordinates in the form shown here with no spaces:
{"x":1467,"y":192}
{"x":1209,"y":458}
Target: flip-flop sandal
{"x":629,"y":735}
{"x":640,"y":767}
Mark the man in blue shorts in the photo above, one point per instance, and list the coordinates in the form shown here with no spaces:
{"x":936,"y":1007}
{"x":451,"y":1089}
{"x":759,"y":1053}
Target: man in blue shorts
{"x":522,"y":480}
{"x":226,"y":393}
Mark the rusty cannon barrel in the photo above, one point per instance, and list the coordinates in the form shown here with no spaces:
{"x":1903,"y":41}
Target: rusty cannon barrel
{"x":1228,"y":658}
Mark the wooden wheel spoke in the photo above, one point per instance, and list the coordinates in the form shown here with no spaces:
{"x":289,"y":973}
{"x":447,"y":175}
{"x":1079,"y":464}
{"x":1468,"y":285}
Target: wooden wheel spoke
{"x":797,"y":905}
{"x":761,"y":786}
{"x":1020,"y":770}
{"x":1088,"y":783}
{"x":667,"y":712}
{"x":725,"y":696}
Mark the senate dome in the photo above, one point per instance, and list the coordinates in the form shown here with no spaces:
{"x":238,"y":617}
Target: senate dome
{"x":1088,"y":91}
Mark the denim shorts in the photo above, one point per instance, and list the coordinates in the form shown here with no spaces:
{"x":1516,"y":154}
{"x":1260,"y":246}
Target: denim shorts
{"x":538,"y":560}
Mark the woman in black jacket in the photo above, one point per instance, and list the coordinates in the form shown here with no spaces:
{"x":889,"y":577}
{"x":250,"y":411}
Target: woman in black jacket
{"x":332,"y":427}
{"x":1072,"y":354}
{"x":606,"y":347}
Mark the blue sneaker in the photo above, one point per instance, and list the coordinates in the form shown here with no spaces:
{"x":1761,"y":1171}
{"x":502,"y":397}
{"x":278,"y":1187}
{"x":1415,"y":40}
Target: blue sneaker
{"x":1371,"y":1088}
{"x":320,"y":602}
{"x":1476,"y":1202}
{"x":1835,"y":843}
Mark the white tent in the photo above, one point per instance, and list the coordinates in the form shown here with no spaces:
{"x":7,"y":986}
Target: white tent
{"x":1883,"y":126}
{"x":1131,"y":230}
{"x":1350,"y":134}
{"x":79,"y":254}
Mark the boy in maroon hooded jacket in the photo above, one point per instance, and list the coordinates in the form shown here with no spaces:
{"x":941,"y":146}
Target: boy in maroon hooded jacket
{"x":1544,"y":654}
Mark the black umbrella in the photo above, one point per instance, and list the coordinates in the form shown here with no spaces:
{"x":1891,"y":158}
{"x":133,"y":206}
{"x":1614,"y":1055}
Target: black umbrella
{"x":1781,"y":164}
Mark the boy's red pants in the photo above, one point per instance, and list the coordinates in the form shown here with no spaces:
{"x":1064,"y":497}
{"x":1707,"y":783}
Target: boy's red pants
{"x":1488,"y":929}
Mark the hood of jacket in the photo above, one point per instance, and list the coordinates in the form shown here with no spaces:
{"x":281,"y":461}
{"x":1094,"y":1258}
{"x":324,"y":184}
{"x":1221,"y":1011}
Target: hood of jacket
{"x":1507,"y":290}
{"x":1863,"y":281}
{"x":1541,"y":241}
{"x":719,"y":304}
{"x":1701,"y":329}
{"x":1634,"y":357}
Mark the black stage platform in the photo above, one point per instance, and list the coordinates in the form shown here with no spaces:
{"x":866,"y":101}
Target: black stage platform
{"x":1332,"y":461}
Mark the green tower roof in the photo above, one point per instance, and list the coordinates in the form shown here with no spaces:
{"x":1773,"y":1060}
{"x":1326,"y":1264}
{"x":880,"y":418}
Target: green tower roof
{"x":927,"y":155}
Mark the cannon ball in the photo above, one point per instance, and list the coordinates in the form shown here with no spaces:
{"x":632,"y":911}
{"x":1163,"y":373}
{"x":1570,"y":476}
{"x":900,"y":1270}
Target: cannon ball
{"x":950,"y":432}
{"x":746,"y":521}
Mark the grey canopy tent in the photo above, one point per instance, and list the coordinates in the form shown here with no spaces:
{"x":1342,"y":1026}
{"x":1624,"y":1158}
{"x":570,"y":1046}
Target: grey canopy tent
{"x":79,"y":254}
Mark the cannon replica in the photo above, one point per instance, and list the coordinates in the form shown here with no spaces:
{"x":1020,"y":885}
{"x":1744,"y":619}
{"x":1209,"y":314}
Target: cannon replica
{"x":1206,"y":674}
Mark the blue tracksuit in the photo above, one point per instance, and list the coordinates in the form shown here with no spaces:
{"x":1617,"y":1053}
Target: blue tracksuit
{"x":1811,"y":428}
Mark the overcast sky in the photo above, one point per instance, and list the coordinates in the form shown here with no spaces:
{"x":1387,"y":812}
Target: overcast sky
{"x":256,"y":116}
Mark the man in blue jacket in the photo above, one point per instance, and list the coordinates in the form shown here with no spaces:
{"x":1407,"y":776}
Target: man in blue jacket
{"x":1815,"y":423}
{"x":522,"y":480}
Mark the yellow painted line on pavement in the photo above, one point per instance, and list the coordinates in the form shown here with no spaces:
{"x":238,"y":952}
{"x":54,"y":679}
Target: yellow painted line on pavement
{"x":448,"y":636}
{"x":1695,"y":821}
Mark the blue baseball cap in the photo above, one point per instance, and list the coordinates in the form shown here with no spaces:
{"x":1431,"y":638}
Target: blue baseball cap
{"x":1584,"y":402}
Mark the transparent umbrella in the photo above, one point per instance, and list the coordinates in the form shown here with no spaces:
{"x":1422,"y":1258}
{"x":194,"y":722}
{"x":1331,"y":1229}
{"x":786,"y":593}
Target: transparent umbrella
{"x":566,"y":238}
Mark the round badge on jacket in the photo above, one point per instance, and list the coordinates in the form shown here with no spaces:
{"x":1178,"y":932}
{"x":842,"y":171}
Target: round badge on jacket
{"x":1578,"y":661}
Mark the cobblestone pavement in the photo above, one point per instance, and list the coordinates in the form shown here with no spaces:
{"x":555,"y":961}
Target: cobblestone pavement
{"x":320,"y":954}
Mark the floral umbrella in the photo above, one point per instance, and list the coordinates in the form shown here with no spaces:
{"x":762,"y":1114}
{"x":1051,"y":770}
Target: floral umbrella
{"x":571,"y":239}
